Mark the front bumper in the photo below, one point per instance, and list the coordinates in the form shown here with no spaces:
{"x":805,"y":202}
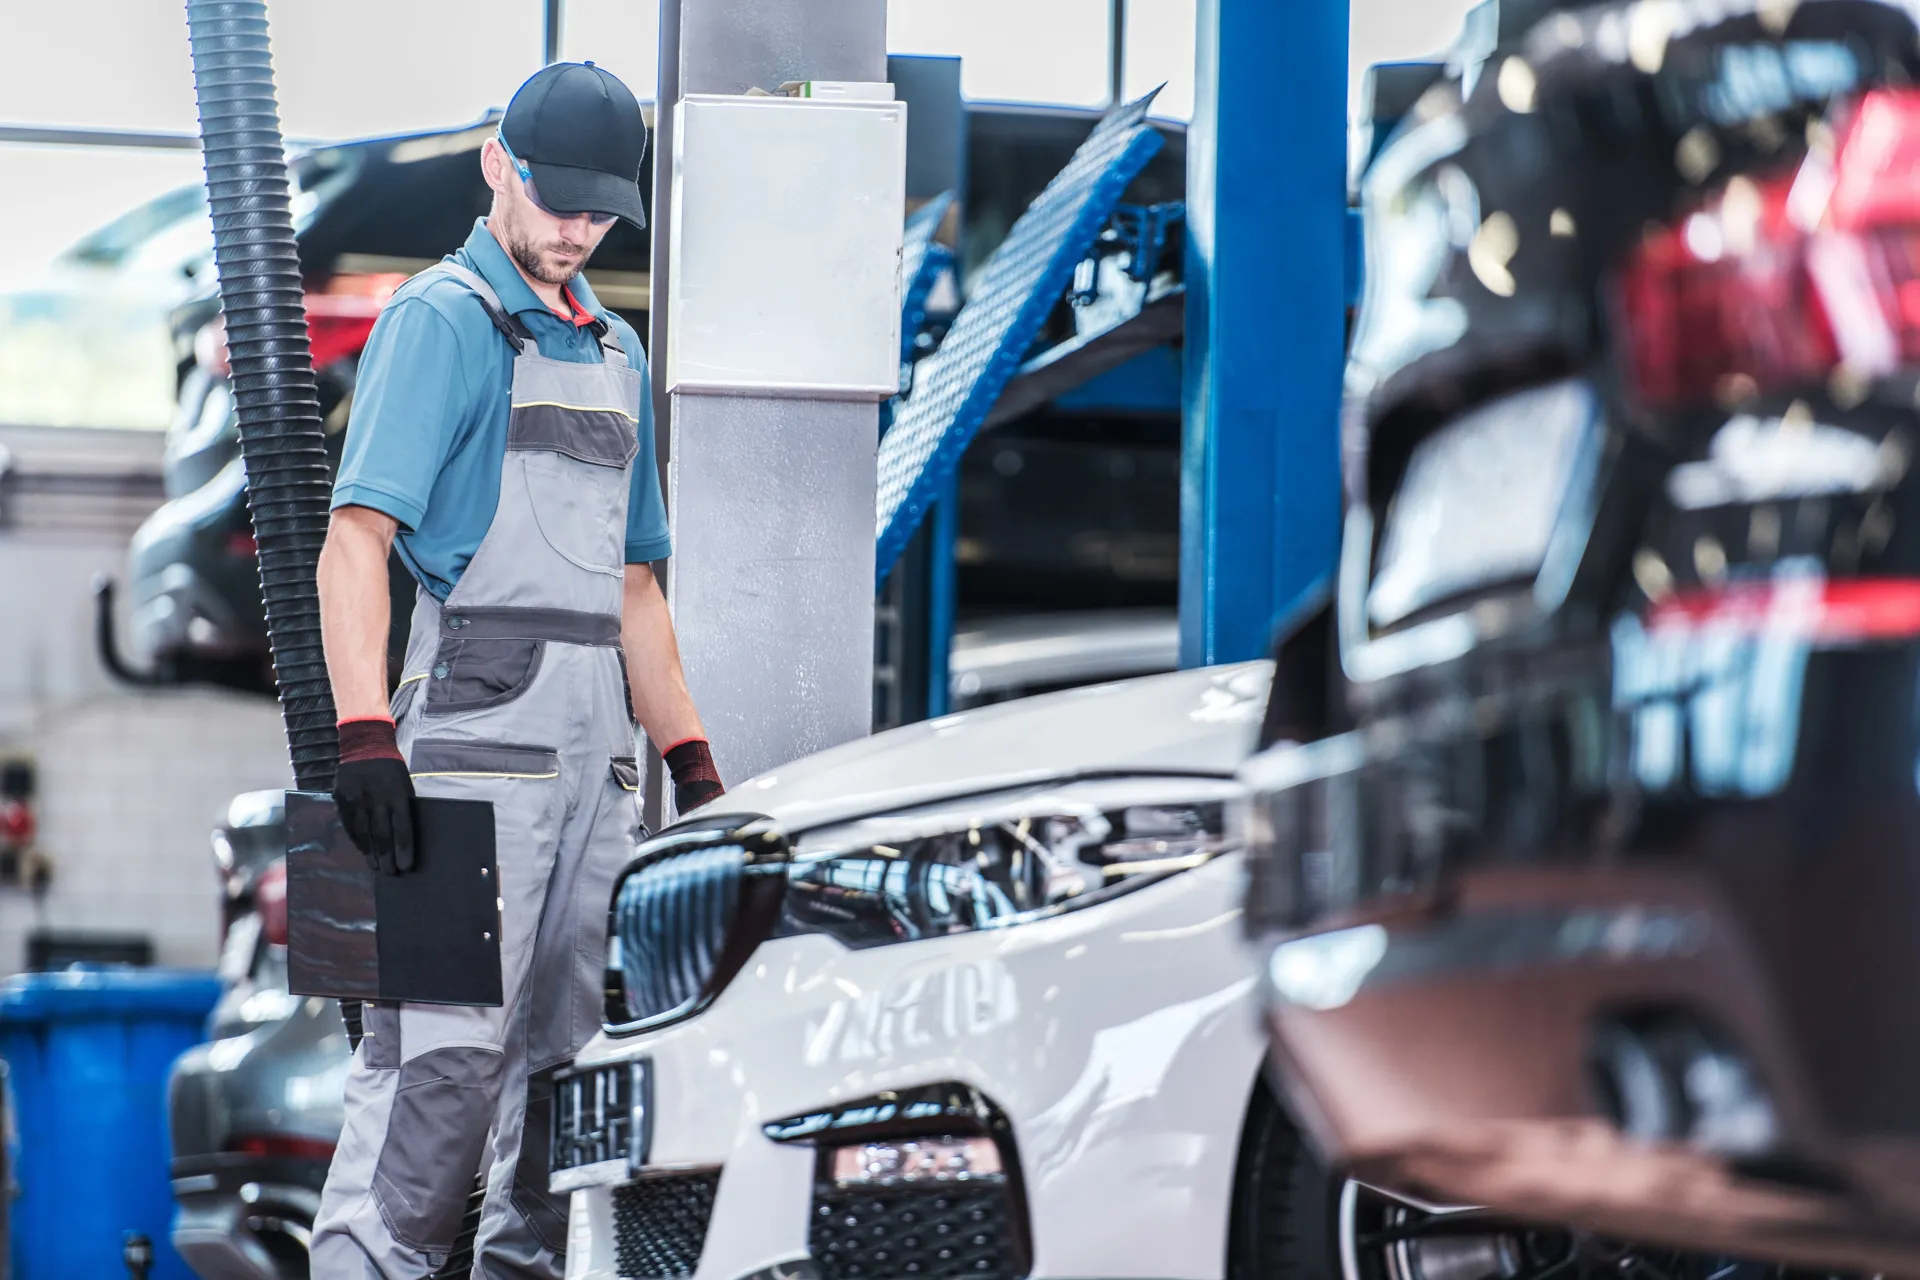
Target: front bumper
{"x":1118,"y":1043}
{"x":243,"y":1217}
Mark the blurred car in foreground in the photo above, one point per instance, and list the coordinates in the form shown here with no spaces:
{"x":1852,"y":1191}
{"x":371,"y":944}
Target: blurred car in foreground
{"x":1603,"y":911}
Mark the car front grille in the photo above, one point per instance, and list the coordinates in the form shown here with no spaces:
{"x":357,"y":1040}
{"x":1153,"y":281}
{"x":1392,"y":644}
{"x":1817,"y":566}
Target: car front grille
{"x":928,"y":1233}
{"x":687,"y":912}
{"x":660,"y":1224}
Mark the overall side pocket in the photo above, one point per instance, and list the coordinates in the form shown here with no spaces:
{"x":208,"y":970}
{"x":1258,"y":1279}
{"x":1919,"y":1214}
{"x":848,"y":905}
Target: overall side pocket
{"x":405,"y":696}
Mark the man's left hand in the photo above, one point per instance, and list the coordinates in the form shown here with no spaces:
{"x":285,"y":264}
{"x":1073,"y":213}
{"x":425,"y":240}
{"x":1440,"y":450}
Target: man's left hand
{"x":696,"y":779}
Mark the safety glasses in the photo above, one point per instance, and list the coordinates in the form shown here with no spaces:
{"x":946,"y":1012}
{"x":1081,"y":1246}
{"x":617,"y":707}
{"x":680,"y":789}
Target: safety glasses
{"x":533,"y":193}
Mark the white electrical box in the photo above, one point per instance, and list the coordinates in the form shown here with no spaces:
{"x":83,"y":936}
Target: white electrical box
{"x":784,"y":274}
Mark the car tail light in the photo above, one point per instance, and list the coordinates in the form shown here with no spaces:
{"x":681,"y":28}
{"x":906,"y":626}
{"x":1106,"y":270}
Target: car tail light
{"x":1806,"y":609}
{"x":282,"y":1145}
{"x":1788,"y":279}
{"x":210,"y":347}
{"x":270,"y":898}
{"x":341,"y":312}
{"x":340,"y":316}
{"x":338,"y":325}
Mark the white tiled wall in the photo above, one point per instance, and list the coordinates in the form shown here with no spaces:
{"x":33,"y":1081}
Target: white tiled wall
{"x":130,"y":786}
{"x":130,"y":781}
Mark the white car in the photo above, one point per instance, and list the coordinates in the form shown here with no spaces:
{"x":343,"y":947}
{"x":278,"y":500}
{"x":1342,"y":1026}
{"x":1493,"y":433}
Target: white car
{"x":967,"y":999}
{"x":970,"y":998}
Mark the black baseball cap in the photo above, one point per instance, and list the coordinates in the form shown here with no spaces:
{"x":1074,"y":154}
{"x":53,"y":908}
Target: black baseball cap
{"x":581,"y":133}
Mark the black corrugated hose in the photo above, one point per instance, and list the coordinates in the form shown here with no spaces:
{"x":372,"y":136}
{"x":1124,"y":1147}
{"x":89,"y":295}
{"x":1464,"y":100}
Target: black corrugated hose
{"x":273,"y":383}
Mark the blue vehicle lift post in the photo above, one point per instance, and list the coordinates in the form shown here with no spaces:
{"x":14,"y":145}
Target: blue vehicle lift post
{"x":1265,"y":339}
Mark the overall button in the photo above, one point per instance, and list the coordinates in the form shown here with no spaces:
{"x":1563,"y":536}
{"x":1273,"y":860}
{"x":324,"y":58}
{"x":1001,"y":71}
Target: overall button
{"x":440,"y":671}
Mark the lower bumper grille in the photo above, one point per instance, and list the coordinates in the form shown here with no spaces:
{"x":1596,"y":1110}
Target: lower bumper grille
{"x":929,"y":1233}
{"x":660,"y":1224}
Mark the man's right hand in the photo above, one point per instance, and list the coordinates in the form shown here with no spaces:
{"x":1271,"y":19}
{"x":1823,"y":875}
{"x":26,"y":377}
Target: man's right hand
{"x":373,"y":791}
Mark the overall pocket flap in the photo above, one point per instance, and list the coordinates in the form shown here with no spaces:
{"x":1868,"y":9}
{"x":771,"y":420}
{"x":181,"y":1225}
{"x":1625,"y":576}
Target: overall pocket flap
{"x":602,"y":437}
{"x":626,"y":772}
{"x":439,"y":757}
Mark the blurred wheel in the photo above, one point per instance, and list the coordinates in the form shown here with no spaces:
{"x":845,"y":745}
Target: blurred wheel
{"x":1284,"y":1213}
{"x":1292,"y":1219}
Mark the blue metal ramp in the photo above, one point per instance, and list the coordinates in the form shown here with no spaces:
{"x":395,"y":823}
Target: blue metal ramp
{"x":922,"y":258}
{"x":955,"y":388}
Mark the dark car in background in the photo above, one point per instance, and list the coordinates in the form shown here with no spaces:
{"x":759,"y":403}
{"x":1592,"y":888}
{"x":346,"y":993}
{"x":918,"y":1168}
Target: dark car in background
{"x":368,"y":215}
{"x":1073,"y":505}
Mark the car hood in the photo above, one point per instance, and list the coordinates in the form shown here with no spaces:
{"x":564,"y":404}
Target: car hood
{"x":1201,"y":722}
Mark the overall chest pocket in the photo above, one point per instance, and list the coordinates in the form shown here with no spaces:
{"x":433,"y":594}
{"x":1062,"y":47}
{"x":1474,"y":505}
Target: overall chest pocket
{"x":581,"y":509}
{"x":474,"y":674}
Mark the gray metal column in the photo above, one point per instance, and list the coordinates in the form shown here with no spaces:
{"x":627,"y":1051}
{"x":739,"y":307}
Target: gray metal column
{"x":771,"y":500}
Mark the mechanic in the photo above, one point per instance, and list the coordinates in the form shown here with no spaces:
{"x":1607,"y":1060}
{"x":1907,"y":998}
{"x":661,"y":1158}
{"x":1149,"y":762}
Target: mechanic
{"x":502,"y":435}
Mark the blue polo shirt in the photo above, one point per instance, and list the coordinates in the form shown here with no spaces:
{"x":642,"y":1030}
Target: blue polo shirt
{"x":428,"y":432}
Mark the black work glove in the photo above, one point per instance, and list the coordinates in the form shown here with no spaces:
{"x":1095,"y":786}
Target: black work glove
{"x":696,"y":780}
{"x":373,"y":792}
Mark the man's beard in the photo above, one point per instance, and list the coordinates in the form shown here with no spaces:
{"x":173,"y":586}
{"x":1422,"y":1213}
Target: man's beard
{"x":536,"y":264}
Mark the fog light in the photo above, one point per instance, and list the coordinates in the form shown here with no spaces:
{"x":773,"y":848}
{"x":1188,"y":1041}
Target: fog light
{"x":917,"y":1160}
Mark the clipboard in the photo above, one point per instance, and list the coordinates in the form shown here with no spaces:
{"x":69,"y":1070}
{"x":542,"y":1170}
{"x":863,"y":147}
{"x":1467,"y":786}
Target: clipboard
{"x":431,"y":936}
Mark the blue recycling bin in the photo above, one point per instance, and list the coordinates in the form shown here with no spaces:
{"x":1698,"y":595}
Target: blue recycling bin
{"x":87,"y":1054}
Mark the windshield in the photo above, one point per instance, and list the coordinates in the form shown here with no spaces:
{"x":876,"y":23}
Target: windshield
{"x":111,"y":244}
{"x":94,"y":347}
{"x":174,"y":229}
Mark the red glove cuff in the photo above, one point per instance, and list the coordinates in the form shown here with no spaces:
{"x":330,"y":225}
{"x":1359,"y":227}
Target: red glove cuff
{"x":368,"y":740}
{"x":691,"y":761}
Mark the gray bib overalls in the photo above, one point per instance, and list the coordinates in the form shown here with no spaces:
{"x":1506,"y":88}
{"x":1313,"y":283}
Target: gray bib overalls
{"x":515,"y":693}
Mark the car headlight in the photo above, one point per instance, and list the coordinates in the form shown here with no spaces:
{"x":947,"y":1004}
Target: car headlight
{"x":999,"y":860}
{"x":697,"y":901}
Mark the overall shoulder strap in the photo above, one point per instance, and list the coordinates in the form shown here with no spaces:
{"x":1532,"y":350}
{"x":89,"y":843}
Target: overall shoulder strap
{"x":511,"y":329}
{"x":610,"y":345}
